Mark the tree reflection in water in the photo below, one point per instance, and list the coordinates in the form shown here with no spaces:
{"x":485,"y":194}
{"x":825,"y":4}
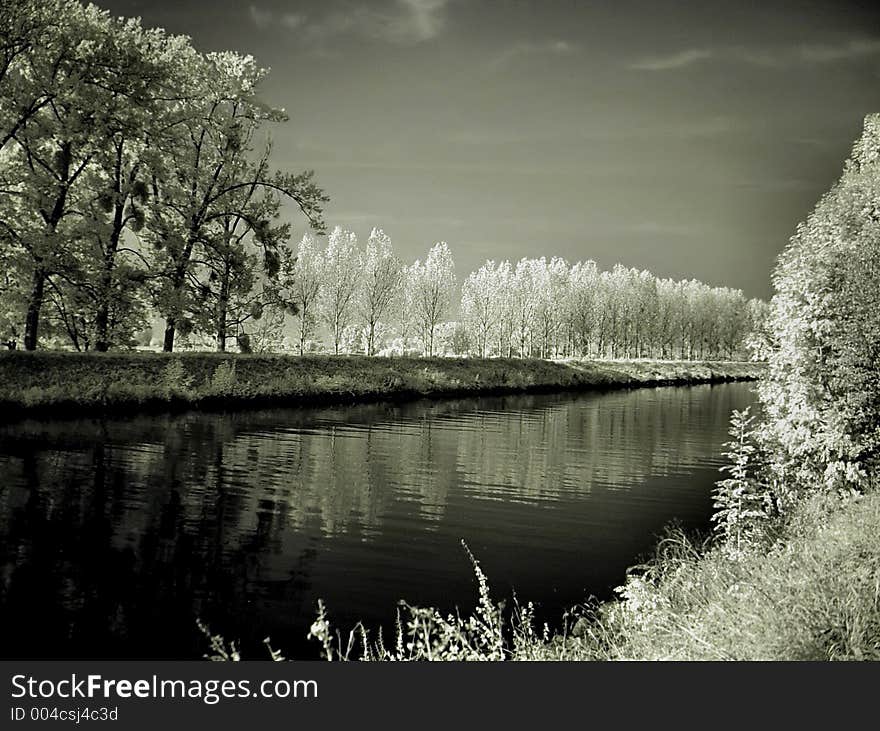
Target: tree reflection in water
{"x":116,"y":534}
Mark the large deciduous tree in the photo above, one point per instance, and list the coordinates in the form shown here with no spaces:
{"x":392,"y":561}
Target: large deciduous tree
{"x":340,"y":274}
{"x":59,"y":80}
{"x":432,"y":285}
{"x":213,"y":147}
{"x":381,"y":280}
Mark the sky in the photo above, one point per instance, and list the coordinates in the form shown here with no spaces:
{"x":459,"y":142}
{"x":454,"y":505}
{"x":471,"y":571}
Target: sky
{"x":687,"y":138}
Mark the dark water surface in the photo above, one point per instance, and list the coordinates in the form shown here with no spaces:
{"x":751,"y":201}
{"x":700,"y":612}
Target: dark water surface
{"x":116,"y":534}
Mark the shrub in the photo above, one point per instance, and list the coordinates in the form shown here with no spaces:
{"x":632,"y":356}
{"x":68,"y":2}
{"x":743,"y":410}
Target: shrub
{"x":822,"y":393}
{"x":743,"y":502}
{"x":223,"y":379}
{"x":175,"y":382}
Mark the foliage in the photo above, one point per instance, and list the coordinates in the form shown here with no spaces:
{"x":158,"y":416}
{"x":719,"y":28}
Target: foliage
{"x":381,"y":281}
{"x":425,"y":634}
{"x":822,"y":394}
{"x":810,"y":595}
{"x":302,"y":275}
{"x":223,"y":379}
{"x":132,"y":167}
{"x":174,"y":382}
{"x":743,"y":503}
{"x":340,"y":277}
{"x":431,"y":285}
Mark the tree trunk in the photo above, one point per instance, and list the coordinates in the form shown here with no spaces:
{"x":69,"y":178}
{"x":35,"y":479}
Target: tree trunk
{"x":371,"y":339}
{"x":102,"y":315}
{"x":168,"y":344}
{"x":222,"y":310}
{"x":35,"y":303}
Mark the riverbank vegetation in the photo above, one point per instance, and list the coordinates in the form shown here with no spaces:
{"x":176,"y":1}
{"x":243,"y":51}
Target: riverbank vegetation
{"x":108,"y":381}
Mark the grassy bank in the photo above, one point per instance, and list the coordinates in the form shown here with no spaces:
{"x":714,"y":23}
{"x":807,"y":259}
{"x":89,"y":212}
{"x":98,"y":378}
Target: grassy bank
{"x":813,"y":595}
{"x":74,"y":382}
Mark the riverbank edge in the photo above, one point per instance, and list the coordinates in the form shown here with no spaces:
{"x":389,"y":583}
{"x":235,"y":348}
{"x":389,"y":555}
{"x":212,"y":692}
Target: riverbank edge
{"x":809,"y":594}
{"x":60,"y":384}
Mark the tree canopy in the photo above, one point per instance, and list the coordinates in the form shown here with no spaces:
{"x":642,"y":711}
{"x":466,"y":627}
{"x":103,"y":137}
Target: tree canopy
{"x":136,"y":173}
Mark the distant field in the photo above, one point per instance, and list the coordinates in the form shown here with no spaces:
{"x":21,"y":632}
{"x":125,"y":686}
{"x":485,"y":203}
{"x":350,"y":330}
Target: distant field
{"x":61,"y":382}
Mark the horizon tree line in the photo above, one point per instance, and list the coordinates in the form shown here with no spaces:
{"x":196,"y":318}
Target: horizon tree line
{"x":341,"y":297}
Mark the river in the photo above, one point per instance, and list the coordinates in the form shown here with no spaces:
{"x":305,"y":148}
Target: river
{"x":115,"y":534}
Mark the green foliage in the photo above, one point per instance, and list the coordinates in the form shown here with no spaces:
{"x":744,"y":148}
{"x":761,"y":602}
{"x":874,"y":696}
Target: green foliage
{"x":129,"y":158}
{"x":812,"y":595}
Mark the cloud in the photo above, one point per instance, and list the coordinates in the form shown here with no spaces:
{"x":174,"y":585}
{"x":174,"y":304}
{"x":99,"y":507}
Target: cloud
{"x":261,"y":18}
{"x":529,"y":48}
{"x":811,"y":54}
{"x":807,"y":54}
{"x":400,"y":22}
{"x":265,"y":19}
{"x":674,"y":61}
{"x":293,"y":20}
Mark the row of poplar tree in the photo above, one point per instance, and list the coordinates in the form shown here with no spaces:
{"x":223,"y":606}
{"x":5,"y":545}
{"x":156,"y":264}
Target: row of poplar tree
{"x":366,"y":299}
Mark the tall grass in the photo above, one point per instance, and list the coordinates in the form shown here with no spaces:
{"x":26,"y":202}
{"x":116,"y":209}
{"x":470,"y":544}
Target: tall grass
{"x":813,"y":594}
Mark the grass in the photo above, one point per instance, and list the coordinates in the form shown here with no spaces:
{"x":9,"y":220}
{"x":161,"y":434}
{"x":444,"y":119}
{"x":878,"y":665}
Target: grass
{"x":60,"y":382}
{"x":814,"y":594}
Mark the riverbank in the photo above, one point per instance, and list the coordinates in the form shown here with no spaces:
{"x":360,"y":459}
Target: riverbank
{"x":73,"y":383}
{"x":811,"y":595}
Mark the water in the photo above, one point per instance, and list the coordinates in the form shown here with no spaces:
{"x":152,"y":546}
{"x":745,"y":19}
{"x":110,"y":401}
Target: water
{"x":116,"y":534}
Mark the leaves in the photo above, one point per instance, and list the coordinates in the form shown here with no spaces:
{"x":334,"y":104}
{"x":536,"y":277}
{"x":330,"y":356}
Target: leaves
{"x":822,"y":335}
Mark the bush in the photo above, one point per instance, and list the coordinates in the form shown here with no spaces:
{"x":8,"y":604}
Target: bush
{"x":175,"y":382}
{"x":743,"y":502}
{"x":811,"y":596}
{"x":822,"y":393}
{"x":223,"y":379}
